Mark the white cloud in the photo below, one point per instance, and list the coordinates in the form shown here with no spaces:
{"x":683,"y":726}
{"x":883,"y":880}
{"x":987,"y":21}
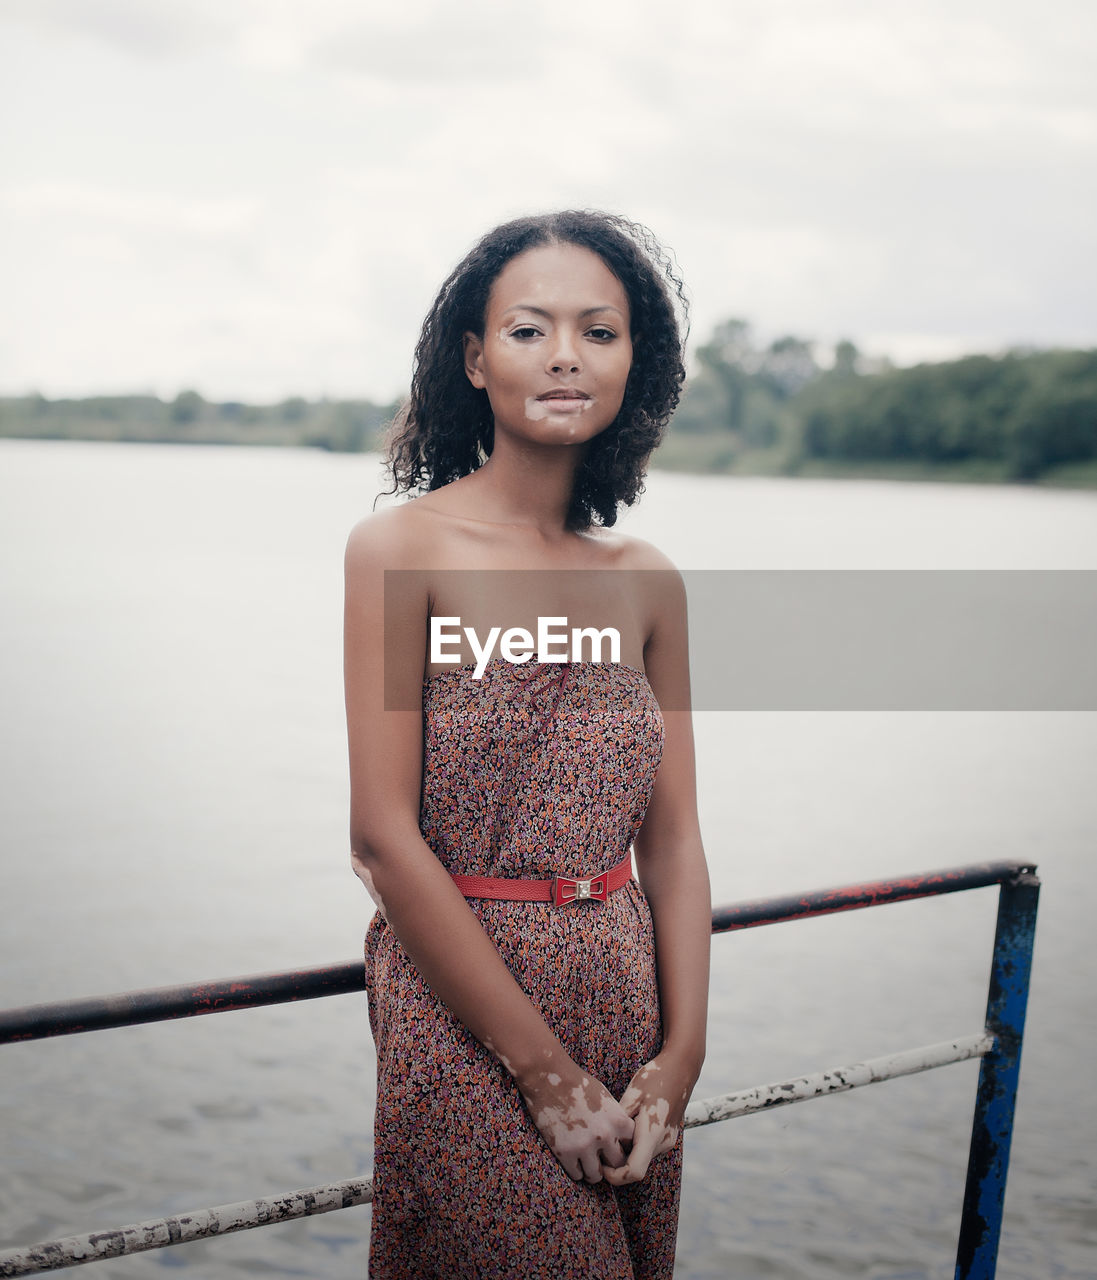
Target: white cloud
{"x":261,"y":198}
{"x":205,"y":218}
{"x":133,"y":26}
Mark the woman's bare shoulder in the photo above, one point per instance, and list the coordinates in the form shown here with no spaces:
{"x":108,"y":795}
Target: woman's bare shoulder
{"x":629,"y":552}
{"x":655,"y":582}
{"x":435,"y":530}
{"x":397,"y":537}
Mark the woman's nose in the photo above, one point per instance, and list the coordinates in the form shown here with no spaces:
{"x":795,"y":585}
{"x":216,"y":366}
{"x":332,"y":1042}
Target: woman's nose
{"x":564,"y":357}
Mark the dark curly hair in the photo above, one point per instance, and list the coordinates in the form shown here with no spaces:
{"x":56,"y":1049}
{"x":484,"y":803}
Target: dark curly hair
{"x":446,"y":430}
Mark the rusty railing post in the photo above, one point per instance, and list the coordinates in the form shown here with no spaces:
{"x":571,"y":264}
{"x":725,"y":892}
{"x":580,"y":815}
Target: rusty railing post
{"x":992,"y":1127}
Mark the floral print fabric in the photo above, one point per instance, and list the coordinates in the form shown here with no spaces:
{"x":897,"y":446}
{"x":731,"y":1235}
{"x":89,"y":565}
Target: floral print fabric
{"x":533,"y":770}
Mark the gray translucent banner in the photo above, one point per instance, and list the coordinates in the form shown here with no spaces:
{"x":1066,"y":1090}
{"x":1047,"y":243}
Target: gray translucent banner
{"x":776,"y":640}
{"x":853,"y":640}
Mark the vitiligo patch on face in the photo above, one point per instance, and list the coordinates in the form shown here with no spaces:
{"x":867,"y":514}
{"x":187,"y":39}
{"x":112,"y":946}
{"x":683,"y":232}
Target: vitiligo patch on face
{"x":538,"y":410}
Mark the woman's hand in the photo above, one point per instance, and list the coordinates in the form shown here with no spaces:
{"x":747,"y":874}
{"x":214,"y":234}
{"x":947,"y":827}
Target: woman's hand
{"x":656,"y":1100}
{"x":580,"y":1120}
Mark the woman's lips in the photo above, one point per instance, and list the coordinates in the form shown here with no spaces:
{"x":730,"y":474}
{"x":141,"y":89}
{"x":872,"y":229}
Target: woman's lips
{"x":565,"y":401}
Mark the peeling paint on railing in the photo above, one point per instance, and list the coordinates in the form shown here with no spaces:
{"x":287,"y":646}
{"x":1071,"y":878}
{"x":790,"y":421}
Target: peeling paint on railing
{"x":999,"y":1046}
{"x":54,"y":1255}
{"x":75,"y":1251}
{"x":839,"y":1079}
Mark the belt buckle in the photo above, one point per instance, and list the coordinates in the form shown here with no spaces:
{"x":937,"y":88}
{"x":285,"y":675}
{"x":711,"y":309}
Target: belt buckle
{"x":566,"y":890}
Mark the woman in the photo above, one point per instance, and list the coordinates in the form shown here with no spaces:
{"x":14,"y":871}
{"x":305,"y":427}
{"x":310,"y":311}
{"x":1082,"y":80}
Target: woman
{"x":539,"y":1018}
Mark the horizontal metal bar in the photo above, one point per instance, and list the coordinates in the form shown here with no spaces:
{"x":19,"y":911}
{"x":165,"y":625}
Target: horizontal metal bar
{"x":75,"y":1251}
{"x":874,"y":893}
{"x":157,"y":1233}
{"x":159,"y":1004}
{"x":839,"y":1079}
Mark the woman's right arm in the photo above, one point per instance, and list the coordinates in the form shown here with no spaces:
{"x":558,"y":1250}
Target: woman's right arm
{"x":384,"y":651}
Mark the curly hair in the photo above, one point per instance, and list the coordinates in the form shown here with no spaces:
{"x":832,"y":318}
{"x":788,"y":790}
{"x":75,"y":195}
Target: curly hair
{"x":445,"y":429}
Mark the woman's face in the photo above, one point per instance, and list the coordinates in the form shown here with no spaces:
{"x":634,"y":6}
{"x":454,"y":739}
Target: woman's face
{"x":557,"y":346}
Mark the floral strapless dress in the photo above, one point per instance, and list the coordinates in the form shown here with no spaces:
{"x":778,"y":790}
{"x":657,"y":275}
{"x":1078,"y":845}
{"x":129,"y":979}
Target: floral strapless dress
{"x":531,"y":771}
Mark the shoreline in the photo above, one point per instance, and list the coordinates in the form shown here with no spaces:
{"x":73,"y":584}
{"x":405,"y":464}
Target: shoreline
{"x":683,"y":454}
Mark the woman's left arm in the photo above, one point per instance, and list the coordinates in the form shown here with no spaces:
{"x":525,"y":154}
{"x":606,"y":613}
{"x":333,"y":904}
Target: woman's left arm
{"x":670,"y":861}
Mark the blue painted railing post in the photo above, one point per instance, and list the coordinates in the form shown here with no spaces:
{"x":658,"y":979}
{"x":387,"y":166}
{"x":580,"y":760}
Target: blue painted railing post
{"x":992,"y":1129}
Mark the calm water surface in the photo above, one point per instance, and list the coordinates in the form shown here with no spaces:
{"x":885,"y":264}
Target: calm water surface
{"x":173,"y":805}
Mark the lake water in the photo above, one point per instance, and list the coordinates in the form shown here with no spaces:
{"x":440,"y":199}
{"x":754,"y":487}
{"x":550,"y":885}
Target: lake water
{"x":173,"y":803}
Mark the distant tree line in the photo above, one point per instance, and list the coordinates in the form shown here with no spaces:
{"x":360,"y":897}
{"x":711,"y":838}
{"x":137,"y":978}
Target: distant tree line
{"x":1017,"y":415}
{"x":746,"y":408}
{"x":349,"y":426}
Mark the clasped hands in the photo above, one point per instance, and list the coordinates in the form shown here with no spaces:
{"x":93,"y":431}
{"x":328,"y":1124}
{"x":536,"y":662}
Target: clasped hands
{"x":587,"y":1129}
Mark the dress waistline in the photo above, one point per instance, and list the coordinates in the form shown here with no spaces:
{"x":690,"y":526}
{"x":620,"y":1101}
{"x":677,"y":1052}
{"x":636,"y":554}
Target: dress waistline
{"x":561,"y":891}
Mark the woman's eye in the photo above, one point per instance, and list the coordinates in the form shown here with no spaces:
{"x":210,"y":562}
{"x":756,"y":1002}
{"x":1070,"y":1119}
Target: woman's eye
{"x":524,"y":331}
{"x":602,"y":334}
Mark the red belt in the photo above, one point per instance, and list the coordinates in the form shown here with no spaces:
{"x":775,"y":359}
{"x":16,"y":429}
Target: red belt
{"x":560,"y":890}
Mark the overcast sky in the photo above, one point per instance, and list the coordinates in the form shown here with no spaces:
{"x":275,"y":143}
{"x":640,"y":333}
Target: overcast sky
{"x":258,"y":198}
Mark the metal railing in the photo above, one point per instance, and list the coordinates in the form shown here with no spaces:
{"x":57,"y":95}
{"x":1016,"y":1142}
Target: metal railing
{"x":998,"y":1044}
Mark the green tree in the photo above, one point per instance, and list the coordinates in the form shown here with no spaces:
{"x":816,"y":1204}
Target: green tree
{"x":846,"y":359}
{"x":295,"y":409}
{"x":187,"y":407}
{"x":787,"y":366}
{"x":730,"y":359}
